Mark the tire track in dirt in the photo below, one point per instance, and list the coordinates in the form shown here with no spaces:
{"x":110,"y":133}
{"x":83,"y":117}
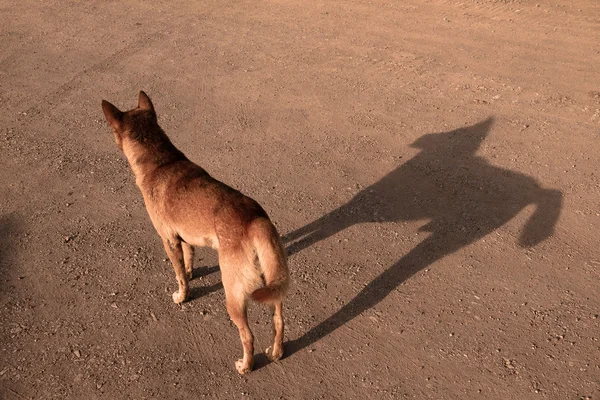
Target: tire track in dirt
{"x":45,"y":102}
{"x":515,"y":12}
{"x":154,"y":39}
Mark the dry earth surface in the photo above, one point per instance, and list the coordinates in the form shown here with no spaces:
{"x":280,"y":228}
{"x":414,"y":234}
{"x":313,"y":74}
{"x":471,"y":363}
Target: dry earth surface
{"x":432,"y":165}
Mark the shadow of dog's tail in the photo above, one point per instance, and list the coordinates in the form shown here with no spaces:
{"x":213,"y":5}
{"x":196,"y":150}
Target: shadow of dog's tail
{"x":541,"y":224}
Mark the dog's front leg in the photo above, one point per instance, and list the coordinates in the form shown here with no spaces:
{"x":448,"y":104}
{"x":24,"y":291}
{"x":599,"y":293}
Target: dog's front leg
{"x":275,"y":352}
{"x":188,"y":256}
{"x":175,"y":253}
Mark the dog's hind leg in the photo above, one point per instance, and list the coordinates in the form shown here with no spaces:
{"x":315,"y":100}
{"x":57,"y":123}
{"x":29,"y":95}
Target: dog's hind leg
{"x":232,"y":261}
{"x":236,"y":307}
{"x":188,"y":258}
{"x":274,"y":353}
{"x":174,"y":250}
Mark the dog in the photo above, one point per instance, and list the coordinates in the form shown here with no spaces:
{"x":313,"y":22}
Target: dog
{"x":190,"y":208}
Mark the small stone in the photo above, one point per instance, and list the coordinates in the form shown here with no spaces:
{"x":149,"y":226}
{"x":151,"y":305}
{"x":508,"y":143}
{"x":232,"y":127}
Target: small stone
{"x":16,"y":330}
{"x":77,"y":353}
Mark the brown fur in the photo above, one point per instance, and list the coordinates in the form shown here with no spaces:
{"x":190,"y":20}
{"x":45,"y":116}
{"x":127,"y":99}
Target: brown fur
{"x":190,"y":208}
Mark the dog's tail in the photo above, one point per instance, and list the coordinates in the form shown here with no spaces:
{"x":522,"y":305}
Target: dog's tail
{"x":272,"y":262}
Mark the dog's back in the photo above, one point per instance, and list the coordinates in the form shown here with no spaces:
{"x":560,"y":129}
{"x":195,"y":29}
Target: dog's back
{"x":203,"y":211}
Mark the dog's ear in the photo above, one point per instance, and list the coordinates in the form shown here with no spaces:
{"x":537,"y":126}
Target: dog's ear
{"x":113,"y":115}
{"x":144,"y":102}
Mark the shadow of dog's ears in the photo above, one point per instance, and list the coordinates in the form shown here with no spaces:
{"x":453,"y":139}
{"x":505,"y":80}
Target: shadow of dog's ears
{"x":460,"y":142}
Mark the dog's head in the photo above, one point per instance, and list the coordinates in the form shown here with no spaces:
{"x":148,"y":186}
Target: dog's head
{"x":131,"y":124}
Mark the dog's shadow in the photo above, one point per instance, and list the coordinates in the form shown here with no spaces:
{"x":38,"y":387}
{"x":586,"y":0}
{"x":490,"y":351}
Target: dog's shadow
{"x":463,"y":196}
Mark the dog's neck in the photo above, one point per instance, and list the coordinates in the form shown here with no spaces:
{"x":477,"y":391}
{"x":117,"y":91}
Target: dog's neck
{"x":146,"y":158}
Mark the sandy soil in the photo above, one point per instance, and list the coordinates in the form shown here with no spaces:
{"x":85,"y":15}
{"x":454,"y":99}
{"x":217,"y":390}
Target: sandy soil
{"x":431,"y":164}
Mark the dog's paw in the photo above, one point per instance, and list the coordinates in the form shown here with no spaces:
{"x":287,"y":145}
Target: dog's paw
{"x":179,"y":297}
{"x":274,"y":355}
{"x":189,"y":275}
{"x":243,"y":368}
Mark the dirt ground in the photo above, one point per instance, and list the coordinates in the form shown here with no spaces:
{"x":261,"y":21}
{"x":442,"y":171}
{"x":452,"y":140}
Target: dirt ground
{"x":431,"y":164}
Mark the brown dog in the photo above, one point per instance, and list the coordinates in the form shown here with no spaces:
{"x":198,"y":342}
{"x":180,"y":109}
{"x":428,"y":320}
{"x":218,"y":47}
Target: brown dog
{"x":190,"y":208}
